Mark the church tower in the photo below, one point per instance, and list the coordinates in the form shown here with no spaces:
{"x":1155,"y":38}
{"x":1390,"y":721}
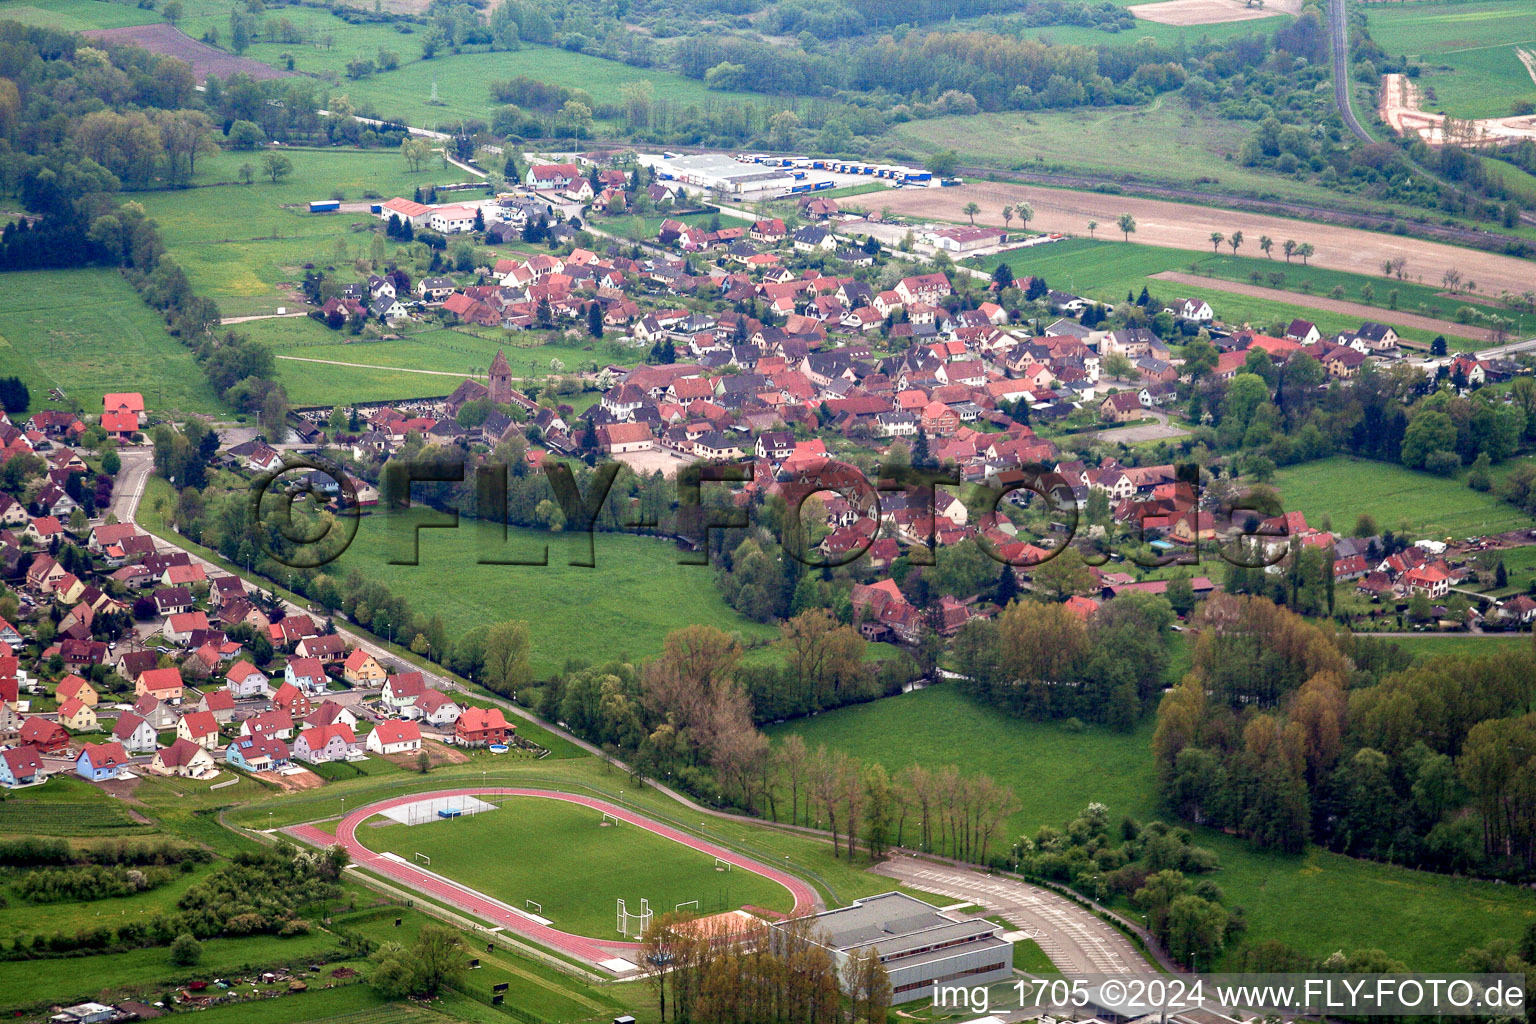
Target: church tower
{"x":501,"y":379}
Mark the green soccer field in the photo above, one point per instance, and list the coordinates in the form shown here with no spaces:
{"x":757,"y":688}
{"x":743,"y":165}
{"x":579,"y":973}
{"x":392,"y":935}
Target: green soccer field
{"x":561,"y":856}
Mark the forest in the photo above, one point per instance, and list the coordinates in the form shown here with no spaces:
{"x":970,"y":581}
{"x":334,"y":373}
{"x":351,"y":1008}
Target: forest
{"x":1287,"y":734}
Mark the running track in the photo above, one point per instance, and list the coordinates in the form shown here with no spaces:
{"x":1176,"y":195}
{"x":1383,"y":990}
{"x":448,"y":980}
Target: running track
{"x":592,"y":951}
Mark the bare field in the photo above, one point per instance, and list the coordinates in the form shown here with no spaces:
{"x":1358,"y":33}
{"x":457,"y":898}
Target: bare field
{"x":1211,"y":12}
{"x":172,"y":42}
{"x":1179,"y":226}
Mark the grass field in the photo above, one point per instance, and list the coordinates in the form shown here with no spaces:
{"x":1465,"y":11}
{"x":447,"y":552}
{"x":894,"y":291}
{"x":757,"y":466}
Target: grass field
{"x":624,"y":607}
{"x":1317,"y":903}
{"x":244,"y":246}
{"x":1425,"y":506}
{"x":88,"y":332}
{"x":1435,"y":645}
{"x":24,"y":984}
{"x":1107,"y":270}
{"x":384,"y":370}
{"x":499,"y":853}
{"x":1467,"y":50}
{"x":76,"y":15}
{"x":1133,"y":142}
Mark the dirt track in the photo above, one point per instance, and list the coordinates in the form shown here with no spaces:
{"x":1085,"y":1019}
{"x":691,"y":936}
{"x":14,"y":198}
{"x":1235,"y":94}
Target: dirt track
{"x":1412,"y":321}
{"x":1179,"y":226}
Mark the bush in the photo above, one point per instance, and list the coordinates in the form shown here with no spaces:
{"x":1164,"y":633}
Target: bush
{"x":186,"y":950}
{"x":1442,"y":462}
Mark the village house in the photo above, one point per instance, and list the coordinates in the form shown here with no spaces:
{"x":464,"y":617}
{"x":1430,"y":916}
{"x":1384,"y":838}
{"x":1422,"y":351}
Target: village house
{"x":306,"y":674}
{"x":479,"y":727}
{"x":435,"y":708}
{"x":164,"y":684}
{"x":362,"y":669}
{"x":200,"y":727}
{"x":257,"y":754}
{"x":324,"y":743}
{"x":135,"y":734}
{"x":21,"y":766}
{"x":394,"y":737}
{"x":100,"y":761}
{"x":401,"y":690}
{"x":184,"y":759}
{"x":245,"y":681}
{"x":77,"y":716}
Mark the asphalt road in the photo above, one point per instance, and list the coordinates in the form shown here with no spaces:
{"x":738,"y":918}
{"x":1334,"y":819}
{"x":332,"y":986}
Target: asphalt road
{"x":1074,"y":939}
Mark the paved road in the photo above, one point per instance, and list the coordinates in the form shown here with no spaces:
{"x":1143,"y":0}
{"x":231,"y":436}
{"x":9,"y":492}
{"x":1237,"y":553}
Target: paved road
{"x":1504,"y":350}
{"x":593,"y":951}
{"x":371,"y":366}
{"x":1338,"y":23}
{"x":1075,"y":940}
{"x":132,"y":477}
{"x":260,"y":316}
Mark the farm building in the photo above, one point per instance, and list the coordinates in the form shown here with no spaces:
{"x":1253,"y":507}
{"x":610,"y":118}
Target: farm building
{"x":918,"y":945}
{"x":964,"y":239}
{"x":417,"y":214}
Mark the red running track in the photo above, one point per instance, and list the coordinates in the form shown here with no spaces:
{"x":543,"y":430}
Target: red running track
{"x":593,"y":951}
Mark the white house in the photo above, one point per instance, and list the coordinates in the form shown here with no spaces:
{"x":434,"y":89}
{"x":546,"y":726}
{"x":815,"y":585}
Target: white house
{"x":306,"y":674}
{"x":394,"y":737}
{"x":135,"y":734}
{"x":324,"y":743}
{"x":434,"y":708}
{"x":400,"y":691}
{"x":452,"y":220}
{"x":246,"y":681}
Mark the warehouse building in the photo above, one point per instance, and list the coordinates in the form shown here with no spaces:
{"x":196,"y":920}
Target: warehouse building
{"x":919,"y":946}
{"x":713,"y":171}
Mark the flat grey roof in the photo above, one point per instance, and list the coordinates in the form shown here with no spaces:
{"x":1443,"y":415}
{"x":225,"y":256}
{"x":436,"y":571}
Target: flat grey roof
{"x":894,"y":922}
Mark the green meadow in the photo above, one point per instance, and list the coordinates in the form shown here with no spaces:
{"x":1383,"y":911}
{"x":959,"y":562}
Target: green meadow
{"x":88,"y":332}
{"x":623,"y":607}
{"x":1467,"y":50}
{"x":1341,"y":489}
{"x":392,"y":368}
{"x":1317,"y":902}
{"x":76,"y":15}
{"x":244,"y":246}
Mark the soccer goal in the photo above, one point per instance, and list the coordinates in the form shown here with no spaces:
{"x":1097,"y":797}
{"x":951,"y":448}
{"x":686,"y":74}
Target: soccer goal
{"x":639,"y":921}
{"x":690,"y":903}
{"x":722,"y":864}
{"x":423,"y":858}
{"x":609,"y":819}
{"x":535,"y":906}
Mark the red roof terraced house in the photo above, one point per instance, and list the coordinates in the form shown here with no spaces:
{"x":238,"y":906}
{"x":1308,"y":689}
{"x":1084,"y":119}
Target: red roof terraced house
{"x":478,"y":727}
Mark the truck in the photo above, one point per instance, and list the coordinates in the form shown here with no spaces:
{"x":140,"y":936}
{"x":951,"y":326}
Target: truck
{"x":325,"y":206}
{"x":820,"y":185}
{"x":947,"y":182}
